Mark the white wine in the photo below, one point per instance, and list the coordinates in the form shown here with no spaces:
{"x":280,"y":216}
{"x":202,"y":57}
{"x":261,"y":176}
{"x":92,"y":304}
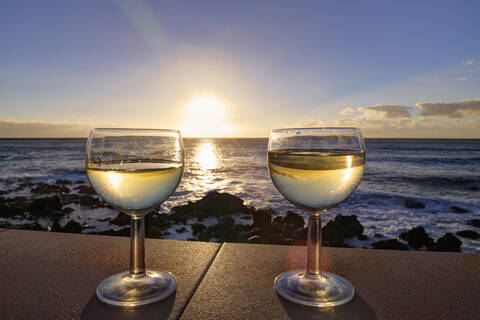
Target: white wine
{"x":313,"y":180}
{"x":133,"y":187}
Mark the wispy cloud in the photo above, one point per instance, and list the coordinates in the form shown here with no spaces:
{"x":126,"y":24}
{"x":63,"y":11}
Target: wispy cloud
{"x":387,"y":111}
{"x":462,"y":78}
{"x":469,"y":62}
{"x":347,"y":111}
{"x":450,"y":110}
{"x":19,"y":129}
{"x":436,"y":120}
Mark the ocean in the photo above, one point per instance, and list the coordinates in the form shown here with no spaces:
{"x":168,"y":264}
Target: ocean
{"x":442,"y":174}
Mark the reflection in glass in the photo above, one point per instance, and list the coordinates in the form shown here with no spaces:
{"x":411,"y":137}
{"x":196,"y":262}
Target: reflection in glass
{"x":135,"y":170}
{"x":315,"y":169}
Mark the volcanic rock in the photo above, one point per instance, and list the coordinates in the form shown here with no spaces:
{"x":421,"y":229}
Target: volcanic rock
{"x":85,"y":189}
{"x":448,"y":243}
{"x":72,"y":227}
{"x":413,"y":204}
{"x":262,"y":218}
{"x":459,"y":209}
{"x":390,"y":244}
{"x":474,"y":222}
{"x":46,"y":206}
{"x":63,"y":181}
{"x":213,"y":204}
{"x":416,"y":238}
{"x":340,"y":228}
{"x":470,"y":234}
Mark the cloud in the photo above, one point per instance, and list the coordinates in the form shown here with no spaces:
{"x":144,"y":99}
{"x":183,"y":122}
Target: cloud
{"x":450,"y":110}
{"x":347,"y":111}
{"x":469,"y":62}
{"x":386,"y":111}
{"x":461,"y":78}
{"x":312,"y":123}
{"x":16,"y":129}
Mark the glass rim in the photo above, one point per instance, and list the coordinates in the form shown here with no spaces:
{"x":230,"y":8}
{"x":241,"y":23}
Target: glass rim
{"x":279,"y":130}
{"x":133,"y":129}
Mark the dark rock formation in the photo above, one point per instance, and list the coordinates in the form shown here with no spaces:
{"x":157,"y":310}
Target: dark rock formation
{"x":342,"y":227}
{"x":278,"y":220}
{"x":181,"y":230}
{"x":72,"y":227}
{"x":44,"y":188}
{"x":46,"y":206}
{"x":88,"y":201}
{"x":470,"y":234}
{"x":474,"y":222}
{"x":56,"y":227}
{"x":121,"y":220}
{"x":213,"y":204}
{"x":63,"y":181}
{"x":458,"y":209}
{"x":262,"y":218}
{"x":390,"y":244}
{"x":448,"y":243}
{"x":85,"y":189}
{"x":197,"y":228}
{"x":10,"y":207}
{"x":417,"y":238}
{"x":294,"y":219}
{"x":413,"y":204}
{"x":67,"y":210}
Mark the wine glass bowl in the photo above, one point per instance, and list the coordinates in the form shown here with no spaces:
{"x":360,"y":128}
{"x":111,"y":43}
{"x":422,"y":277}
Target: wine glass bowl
{"x":315,"y":169}
{"x":135,"y":170}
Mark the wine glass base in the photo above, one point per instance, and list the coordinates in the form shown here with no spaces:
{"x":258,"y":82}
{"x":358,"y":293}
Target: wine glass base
{"x":122,"y":289}
{"x":324,"y":290}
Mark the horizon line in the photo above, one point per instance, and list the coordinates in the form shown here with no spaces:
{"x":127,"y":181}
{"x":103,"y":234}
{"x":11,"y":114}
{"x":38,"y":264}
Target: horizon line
{"x":86,"y":137}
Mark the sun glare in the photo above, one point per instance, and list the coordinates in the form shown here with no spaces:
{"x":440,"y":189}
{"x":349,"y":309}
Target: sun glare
{"x":206,"y":116}
{"x":206,"y":157}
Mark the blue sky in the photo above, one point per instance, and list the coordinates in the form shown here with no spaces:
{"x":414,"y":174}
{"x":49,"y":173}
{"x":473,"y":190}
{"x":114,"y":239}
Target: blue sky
{"x":68,"y":66}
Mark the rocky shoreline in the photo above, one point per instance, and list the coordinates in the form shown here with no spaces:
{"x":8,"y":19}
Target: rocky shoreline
{"x":217,"y":216}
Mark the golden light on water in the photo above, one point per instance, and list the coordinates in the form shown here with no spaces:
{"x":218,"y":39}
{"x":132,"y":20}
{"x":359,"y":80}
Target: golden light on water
{"x":207,"y":157}
{"x":206,"y":116}
{"x":205,"y":162}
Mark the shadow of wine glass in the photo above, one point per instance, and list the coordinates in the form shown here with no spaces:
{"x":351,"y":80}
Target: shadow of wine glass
{"x":95,"y":309}
{"x":355,"y":309}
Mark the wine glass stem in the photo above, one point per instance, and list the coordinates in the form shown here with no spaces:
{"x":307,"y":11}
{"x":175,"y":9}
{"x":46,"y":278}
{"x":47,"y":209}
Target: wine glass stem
{"x":314,"y":244}
{"x":137,"y":246}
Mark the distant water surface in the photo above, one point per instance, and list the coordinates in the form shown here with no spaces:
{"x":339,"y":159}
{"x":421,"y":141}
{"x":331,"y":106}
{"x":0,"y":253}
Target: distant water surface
{"x":439,"y":173}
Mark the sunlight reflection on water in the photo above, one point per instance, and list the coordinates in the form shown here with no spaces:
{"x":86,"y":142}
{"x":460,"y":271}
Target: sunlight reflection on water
{"x":206,"y":156}
{"x":206,"y":166}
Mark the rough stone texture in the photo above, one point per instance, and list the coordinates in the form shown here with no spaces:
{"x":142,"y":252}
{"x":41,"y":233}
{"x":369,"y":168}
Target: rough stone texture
{"x":389,"y":284}
{"x":47,"y":275}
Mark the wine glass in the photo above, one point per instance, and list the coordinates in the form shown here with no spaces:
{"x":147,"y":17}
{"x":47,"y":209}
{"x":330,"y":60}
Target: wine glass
{"x":135,"y":170}
{"x":315,"y":169}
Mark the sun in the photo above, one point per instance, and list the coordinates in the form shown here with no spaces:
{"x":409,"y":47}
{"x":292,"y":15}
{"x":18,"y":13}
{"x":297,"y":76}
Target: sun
{"x":206,"y":116}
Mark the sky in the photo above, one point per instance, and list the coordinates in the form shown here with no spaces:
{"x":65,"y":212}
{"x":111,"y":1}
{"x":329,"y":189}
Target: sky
{"x":240,"y":68}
